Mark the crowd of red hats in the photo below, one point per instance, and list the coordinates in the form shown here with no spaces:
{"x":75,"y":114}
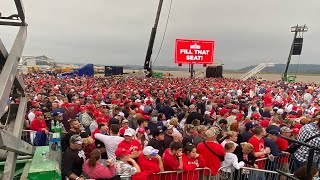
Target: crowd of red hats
{"x":221,"y":103}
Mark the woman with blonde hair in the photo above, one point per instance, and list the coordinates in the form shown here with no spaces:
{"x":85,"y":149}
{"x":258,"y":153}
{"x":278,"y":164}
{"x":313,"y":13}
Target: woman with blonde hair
{"x":244,"y":153}
{"x":176,"y":127}
{"x":232,"y":137}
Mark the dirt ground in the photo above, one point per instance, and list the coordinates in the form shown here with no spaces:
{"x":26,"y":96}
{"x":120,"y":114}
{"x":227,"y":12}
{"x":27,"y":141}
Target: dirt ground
{"x":269,"y":77}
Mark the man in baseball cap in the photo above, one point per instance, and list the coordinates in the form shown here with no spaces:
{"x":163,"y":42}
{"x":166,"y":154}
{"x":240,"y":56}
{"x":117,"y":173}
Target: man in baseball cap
{"x":157,"y":140}
{"x":245,"y":136}
{"x":270,"y":142}
{"x":131,"y":144}
{"x":38,"y":124}
{"x":73,"y":159}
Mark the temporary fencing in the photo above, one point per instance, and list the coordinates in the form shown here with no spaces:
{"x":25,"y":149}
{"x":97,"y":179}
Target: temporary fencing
{"x":197,"y":174}
{"x":271,"y":164}
{"x":28,"y":136}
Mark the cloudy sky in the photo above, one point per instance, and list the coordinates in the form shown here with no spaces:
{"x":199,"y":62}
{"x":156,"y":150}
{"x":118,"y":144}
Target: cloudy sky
{"x":116,"y":32}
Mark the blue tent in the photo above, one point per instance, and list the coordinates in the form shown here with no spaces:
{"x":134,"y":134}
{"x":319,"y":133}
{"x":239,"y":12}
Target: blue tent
{"x":86,"y":70}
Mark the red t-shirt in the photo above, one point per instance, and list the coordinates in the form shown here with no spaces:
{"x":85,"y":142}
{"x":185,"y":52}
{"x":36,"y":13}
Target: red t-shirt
{"x":148,"y":167}
{"x":189,"y":165}
{"x":132,"y":146}
{"x":283,"y":145}
{"x":170,"y":163}
{"x":212,"y":161}
{"x":258,"y":146}
{"x":94,"y":132}
{"x":37,"y":125}
{"x":267,"y":100}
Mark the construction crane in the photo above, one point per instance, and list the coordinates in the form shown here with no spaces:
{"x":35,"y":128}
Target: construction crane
{"x":147,"y":63}
{"x":296,"y":49}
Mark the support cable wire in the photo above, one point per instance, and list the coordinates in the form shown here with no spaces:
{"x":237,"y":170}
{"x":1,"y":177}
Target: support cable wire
{"x":164,"y":34}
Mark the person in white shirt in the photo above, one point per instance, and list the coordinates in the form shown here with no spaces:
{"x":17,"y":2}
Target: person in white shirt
{"x":230,"y":162}
{"x":31,"y":114}
{"x":111,"y":142}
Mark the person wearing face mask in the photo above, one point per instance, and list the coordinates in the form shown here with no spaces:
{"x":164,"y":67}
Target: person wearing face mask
{"x":110,"y":142}
{"x":154,"y":124}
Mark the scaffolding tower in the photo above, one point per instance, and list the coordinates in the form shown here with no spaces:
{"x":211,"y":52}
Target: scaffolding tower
{"x":11,"y":85}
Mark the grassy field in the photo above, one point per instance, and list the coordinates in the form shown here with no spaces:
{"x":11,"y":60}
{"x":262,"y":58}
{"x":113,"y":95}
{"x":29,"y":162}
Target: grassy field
{"x":269,"y":77}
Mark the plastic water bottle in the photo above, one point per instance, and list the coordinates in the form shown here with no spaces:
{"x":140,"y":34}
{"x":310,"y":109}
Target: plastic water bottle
{"x":53,"y":126}
{"x":63,"y":129}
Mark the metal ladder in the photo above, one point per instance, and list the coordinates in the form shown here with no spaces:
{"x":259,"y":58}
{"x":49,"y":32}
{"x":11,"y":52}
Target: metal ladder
{"x":255,"y":70}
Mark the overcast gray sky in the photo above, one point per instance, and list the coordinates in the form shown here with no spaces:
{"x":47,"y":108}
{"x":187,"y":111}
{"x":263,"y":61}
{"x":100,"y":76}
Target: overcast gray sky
{"x":117,"y":32}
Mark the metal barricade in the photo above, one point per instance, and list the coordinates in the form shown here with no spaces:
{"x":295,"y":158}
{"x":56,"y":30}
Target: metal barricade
{"x":28,"y":136}
{"x":197,"y":174}
{"x":268,"y":172}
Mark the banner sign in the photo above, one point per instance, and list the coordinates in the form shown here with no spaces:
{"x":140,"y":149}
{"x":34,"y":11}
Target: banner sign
{"x":194,"y":51}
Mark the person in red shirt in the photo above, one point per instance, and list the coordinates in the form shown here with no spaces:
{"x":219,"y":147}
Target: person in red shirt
{"x":38,"y":124}
{"x":283,"y":145}
{"x":150,"y":162}
{"x":191,"y":161}
{"x":212,"y":160}
{"x":131,"y":144}
{"x":172,"y":159}
{"x":259,"y":150}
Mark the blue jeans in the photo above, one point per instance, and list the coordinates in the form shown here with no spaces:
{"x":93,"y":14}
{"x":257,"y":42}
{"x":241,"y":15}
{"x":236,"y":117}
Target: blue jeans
{"x":41,"y":138}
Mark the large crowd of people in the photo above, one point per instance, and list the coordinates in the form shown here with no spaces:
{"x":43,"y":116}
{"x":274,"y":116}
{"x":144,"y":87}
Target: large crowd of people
{"x":137,"y":127}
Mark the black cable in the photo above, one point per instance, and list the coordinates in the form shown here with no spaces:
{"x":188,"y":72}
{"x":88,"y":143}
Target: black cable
{"x":164,"y":34}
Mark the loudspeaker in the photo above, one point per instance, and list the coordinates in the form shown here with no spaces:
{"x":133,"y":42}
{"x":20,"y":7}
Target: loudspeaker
{"x":297,"y":47}
{"x":211,"y":71}
{"x":219,"y":71}
{"x":214,"y":71}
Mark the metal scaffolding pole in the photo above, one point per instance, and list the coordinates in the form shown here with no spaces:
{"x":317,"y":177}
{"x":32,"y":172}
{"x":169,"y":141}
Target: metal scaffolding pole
{"x":10,"y":82}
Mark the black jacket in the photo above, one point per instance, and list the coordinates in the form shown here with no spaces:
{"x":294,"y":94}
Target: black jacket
{"x":192,"y":116}
{"x":251,"y":159}
{"x":157,"y":145}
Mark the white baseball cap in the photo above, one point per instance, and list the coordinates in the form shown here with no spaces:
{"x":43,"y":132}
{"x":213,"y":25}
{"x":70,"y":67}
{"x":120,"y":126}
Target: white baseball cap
{"x":129,"y":132}
{"x":121,"y":114}
{"x":280,"y":111}
{"x":149,"y":150}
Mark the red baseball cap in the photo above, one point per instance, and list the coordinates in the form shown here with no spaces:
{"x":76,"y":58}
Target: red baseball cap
{"x":256,"y":116}
{"x":37,"y":113}
{"x":68,"y":105}
{"x":295,"y":131}
{"x":121,"y":152}
{"x":82,"y":109}
{"x":146,"y":117}
{"x":141,"y":130}
{"x":148,"y":102}
{"x":265,"y":123}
